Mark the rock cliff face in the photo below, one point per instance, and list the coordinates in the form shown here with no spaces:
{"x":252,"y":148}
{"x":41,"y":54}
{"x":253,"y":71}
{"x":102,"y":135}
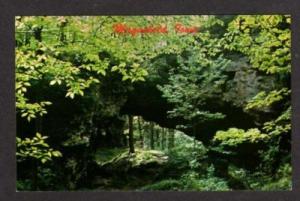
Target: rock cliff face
{"x":147,"y":101}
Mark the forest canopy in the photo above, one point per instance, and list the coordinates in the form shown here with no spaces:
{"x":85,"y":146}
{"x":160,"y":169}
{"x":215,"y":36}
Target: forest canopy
{"x":153,"y":102}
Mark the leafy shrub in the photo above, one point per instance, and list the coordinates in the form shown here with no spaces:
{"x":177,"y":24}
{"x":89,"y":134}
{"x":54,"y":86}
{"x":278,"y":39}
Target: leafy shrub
{"x":169,"y":184}
{"x":235,"y":136}
{"x":23,"y":185}
{"x":35,"y":148}
{"x":187,"y":151}
{"x":192,"y":181}
{"x":262,"y":181}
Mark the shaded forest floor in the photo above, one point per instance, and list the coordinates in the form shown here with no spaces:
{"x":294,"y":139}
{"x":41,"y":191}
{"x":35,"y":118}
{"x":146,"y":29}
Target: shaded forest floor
{"x":182,"y":167}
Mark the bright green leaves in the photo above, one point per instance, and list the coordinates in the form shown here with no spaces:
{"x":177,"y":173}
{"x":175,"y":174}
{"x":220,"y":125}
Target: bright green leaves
{"x":29,"y":69}
{"x":53,"y":82}
{"x":31,"y":110}
{"x":281,"y":125}
{"x":133,"y":73}
{"x":263,"y":100}
{"x":265,"y":39}
{"x":78,"y":87}
{"x":114,"y":68}
{"x":234,"y":136}
{"x":92,"y":62}
{"x":35,"y":148}
{"x":138,"y":74}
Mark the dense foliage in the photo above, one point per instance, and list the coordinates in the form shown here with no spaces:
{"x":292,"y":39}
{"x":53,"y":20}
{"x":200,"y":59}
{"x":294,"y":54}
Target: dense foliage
{"x":204,"y":105}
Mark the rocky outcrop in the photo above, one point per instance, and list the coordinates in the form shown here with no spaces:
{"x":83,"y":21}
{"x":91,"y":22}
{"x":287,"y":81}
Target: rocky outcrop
{"x":135,"y":169}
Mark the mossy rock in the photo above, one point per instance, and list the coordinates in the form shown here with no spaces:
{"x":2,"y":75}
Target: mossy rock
{"x":120,"y":160}
{"x":106,"y":155}
{"x":135,"y":170}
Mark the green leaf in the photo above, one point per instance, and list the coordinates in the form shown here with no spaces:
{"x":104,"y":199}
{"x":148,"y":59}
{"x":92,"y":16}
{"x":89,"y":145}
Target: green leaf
{"x":114,"y":68}
{"x":56,"y":154}
{"x":24,"y":114}
{"x":125,"y":77}
{"x":39,"y":135}
{"x":53,"y":82}
{"x":122,"y":64}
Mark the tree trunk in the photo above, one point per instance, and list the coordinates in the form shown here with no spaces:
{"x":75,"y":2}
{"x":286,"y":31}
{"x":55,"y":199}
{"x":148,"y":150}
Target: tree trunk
{"x":163,"y":139}
{"x":141,"y":132}
{"x":151,"y":135}
{"x":171,"y":139}
{"x":130,"y":134}
{"x":157,"y":138}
